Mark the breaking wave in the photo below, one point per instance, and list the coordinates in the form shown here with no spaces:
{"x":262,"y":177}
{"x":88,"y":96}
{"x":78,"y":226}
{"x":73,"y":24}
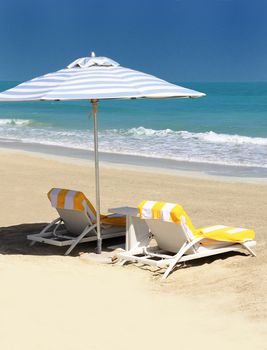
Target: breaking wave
{"x":209,"y":147}
{"x":15,"y":122}
{"x":208,"y":136}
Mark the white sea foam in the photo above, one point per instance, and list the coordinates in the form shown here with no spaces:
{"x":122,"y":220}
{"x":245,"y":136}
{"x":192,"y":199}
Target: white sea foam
{"x":208,"y":147}
{"x":141,"y":131}
{"x":15,"y":122}
{"x":208,"y":136}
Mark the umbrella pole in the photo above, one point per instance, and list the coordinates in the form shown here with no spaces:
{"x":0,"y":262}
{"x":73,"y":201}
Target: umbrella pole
{"x":97,"y":191}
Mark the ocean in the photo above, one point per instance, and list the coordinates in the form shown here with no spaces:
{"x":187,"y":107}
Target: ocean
{"x":228,"y":127}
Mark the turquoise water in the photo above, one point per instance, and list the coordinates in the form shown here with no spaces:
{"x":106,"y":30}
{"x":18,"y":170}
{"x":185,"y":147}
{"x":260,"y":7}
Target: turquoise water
{"x":228,"y":126}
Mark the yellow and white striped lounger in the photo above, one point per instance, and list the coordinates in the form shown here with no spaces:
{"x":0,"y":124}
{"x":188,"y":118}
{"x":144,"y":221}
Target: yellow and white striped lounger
{"x":78,"y":215}
{"x":174,"y":233}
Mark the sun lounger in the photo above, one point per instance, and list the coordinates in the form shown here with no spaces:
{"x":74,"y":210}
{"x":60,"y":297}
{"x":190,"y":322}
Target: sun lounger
{"x":179,"y":241}
{"x":78,"y":215}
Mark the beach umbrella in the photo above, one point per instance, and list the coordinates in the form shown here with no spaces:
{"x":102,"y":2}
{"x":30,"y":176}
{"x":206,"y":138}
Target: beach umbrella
{"x":95,"y":78}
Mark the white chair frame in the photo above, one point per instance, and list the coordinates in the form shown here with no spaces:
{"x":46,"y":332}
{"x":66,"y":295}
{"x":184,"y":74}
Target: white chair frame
{"x":188,"y":250}
{"x":79,"y":229}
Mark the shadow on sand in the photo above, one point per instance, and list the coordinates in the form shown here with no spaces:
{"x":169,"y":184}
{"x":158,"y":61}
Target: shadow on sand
{"x":13,"y":240}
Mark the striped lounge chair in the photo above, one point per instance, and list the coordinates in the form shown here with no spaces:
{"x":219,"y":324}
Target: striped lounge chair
{"x":179,"y":241}
{"x":78,"y":215}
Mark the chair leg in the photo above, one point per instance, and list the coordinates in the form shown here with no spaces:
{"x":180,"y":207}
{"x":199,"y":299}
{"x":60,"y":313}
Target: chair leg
{"x":248,"y":249}
{"x":179,"y":255}
{"x":121,"y":262}
{"x":79,"y":238}
{"x":169,"y":269}
{"x":46,"y":228}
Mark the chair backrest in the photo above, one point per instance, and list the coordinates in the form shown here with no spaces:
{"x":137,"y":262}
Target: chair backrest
{"x":75,"y":221}
{"x":169,"y":224}
{"x":168,"y":235}
{"x":73,"y":207}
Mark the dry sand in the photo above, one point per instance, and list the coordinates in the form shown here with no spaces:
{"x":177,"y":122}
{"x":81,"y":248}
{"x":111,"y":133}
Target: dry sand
{"x":48,"y":301}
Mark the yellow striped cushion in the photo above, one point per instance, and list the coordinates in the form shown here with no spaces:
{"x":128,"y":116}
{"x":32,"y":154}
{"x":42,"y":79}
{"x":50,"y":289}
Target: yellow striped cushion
{"x":68,"y":199}
{"x":164,"y":211}
{"x":226,"y":233}
{"x":118,"y":220}
{"x":173,"y":212}
{"x":76,"y":200}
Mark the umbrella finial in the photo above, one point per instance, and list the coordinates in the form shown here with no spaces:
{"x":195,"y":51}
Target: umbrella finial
{"x":92,"y":54}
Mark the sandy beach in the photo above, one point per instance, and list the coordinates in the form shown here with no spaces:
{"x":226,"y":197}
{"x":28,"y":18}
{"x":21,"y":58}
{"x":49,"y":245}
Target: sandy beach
{"x":53,"y":302}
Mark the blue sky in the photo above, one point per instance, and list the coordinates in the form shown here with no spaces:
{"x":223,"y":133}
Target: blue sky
{"x":178,"y":40}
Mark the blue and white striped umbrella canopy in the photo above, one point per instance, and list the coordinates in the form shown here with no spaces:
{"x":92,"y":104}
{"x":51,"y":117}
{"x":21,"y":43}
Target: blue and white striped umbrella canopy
{"x":98,"y":78}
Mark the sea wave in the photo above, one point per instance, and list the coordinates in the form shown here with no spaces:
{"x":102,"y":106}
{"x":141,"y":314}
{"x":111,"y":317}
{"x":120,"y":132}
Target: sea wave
{"x":15,"y":122}
{"x":209,"y":136}
{"x":141,"y":131}
{"x":205,"y":147}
